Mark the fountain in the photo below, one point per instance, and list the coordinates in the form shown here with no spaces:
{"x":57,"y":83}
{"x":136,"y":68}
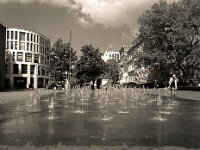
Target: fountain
{"x":123,"y":103}
{"x":158,"y":113}
{"x":51,"y":109}
{"x":33,"y":104}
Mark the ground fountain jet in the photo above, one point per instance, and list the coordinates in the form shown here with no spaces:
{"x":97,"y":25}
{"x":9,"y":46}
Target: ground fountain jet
{"x":51,"y":107}
{"x":158,"y":113}
{"x":33,"y":104}
{"x":104,"y":108}
{"x":123,"y":103}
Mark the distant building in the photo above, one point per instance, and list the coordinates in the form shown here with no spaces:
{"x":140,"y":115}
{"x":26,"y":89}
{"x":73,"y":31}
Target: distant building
{"x":26,"y":58}
{"x":111,"y":55}
{"x":138,"y":72}
{"x":2,"y":56}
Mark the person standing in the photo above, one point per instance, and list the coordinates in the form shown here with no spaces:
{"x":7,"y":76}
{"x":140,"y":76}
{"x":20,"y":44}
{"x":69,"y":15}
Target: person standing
{"x":173,"y":82}
{"x":173,"y":86}
{"x":155,"y":84}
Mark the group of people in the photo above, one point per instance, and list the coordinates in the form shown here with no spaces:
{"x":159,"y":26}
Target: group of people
{"x":172,"y":84}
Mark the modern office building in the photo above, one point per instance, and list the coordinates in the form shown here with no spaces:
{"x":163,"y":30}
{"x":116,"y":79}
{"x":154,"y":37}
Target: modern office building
{"x":27,"y":54}
{"x":2,"y":55}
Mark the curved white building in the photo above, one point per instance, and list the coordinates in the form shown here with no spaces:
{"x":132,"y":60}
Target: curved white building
{"x":26,"y":58}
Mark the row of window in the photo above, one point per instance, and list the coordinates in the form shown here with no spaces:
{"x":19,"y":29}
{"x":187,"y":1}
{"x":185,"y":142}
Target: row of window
{"x":15,"y":45}
{"x":24,"y":69}
{"x":25,"y":36}
{"x":29,"y":57}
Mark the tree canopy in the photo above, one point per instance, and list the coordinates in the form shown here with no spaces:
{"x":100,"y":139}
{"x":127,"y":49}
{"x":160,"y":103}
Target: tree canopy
{"x":90,"y":65}
{"x":60,"y":60}
{"x":170,"y":33}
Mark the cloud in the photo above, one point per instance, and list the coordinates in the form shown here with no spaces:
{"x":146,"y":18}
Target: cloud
{"x":109,"y":13}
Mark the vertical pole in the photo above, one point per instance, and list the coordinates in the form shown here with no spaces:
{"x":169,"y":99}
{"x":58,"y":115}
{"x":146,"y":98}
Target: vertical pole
{"x":70,"y":59}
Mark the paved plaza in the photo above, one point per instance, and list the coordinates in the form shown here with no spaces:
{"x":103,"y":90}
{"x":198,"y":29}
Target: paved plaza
{"x":100,"y":120}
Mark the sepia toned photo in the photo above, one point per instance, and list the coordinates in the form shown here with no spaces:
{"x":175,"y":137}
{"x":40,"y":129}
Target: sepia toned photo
{"x":100,"y":74}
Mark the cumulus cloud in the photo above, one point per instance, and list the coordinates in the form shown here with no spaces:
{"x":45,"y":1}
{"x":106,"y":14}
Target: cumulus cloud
{"x":109,"y":13}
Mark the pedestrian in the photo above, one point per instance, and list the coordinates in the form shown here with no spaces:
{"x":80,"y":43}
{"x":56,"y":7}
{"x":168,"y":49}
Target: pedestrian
{"x":155,"y":84}
{"x":173,"y":82}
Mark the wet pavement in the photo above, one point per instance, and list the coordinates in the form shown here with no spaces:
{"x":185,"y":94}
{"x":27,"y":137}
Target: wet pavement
{"x":105,"y":118}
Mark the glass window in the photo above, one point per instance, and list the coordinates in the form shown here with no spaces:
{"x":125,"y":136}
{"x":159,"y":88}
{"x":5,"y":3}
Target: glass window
{"x":28,"y":57}
{"x":7,"y":45}
{"x":32,"y":69}
{"x":22,"y":45}
{"x":12,"y":35}
{"x":16,"y":35}
{"x":27,"y":36}
{"x":31,"y":47}
{"x":24,"y":69}
{"x":11,"y":44}
{"x":39,"y":70}
{"x":36,"y":58}
{"x":16,"y":45}
{"x":20,"y":56}
{"x":22,"y":36}
{"x":8,"y":35}
{"x":31,"y":37}
{"x":42,"y":59}
{"x":15,"y":69}
{"x":43,"y":71}
{"x":13,"y":56}
{"x":27,"y":47}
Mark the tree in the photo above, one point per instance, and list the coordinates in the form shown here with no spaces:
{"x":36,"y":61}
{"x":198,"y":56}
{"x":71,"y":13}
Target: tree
{"x":90,"y":65}
{"x":112,"y":70}
{"x":60,"y":60}
{"x":170,"y":35}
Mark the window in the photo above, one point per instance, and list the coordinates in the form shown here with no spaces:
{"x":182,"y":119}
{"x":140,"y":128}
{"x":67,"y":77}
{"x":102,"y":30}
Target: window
{"x":42,"y":59}
{"x":27,"y":47}
{"x":20,"y":56}
{"x":11,"y":44}
{"x":43,"y":71}
{"x":12,"y":35}
{"x":13,"y":56}
{"x":31,"y":48}
{"x":28,"y":57}
{"x":15,"y":69}
{"x":8,"y":35}
{"x":24,"y":69}
{"x":39,"y":70}
{"x":22,"y":36}
{"x":36,"y":58}
{"x":16,"y":35}
{"x":31,"y":37}
{"x":32,"y":69}
{"x":22,"y":45}
{"x":16,"y":45}
{"x":27,"y":37}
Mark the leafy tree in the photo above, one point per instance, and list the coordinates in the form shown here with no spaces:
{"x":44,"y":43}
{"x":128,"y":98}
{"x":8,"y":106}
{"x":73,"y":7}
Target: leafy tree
{"x":60,"y":60}
{"x":112,"y":70}
{"x":170,"y":33}
{"x":90,"y":65}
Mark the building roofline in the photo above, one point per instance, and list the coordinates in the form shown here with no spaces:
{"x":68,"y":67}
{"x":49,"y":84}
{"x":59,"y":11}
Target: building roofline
{"x":10,"y":28}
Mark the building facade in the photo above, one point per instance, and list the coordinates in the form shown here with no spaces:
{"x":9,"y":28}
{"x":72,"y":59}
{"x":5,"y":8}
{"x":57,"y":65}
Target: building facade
{"x":111,"y":55}
{"x":2,"y":55}
{"x":27,"y":55}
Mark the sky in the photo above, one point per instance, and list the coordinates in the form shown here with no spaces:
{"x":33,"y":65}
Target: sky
{"x":98,"y":22}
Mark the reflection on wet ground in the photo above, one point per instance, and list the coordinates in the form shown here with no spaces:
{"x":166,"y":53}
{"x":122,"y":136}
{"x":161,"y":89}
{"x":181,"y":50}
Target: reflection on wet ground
{"x":132,"y":117}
